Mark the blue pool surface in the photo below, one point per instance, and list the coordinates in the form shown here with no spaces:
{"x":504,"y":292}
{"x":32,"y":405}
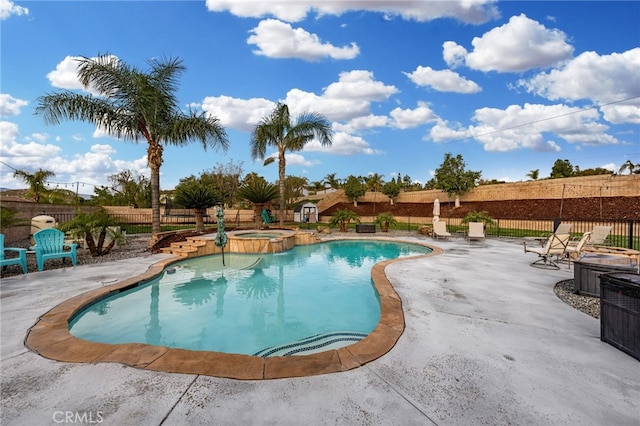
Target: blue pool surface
{"x":308,"y":299}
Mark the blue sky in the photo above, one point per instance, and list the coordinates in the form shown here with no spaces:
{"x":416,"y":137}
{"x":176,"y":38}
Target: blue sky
{"x":511,"y":86}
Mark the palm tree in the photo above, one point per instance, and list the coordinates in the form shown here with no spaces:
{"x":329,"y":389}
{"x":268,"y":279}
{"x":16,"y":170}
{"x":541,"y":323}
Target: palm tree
{"x":278,"y":131}
{"x":332,"y":181}
{"x":35,"y":181}
{"x":260,"y":193}
{"x":533,"y":174}
{"x":135,"y":105}
{"x":192,"y":193}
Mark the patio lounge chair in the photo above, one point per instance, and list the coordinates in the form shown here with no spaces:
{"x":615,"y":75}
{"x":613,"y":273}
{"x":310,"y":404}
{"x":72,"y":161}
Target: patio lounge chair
{"x":50,"y":245}
{"x":573,"y":251}
{"x":20,"y":260}
{"x":599,"y":235}
{"x":440,"y":230}
{"x":476,"y":232}
{"x":563,"y":228}
{"x":556,"y":247}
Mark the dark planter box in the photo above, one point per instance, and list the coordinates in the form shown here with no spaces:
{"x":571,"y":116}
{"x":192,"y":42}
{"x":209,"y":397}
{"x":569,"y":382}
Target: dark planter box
{"x":620,"y":311}
{"x":587,"y":272}
{"x":365,"y":229}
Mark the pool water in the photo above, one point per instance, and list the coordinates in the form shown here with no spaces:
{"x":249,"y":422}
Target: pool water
{"x":307,"y":299}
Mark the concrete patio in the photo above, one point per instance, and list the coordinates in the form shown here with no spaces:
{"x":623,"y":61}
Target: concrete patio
{"x":486,"y":342}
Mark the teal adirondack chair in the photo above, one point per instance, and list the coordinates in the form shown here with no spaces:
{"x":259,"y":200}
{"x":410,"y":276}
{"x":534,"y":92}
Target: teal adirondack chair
{"x":20,"y":260}
{"x":50,"y":245}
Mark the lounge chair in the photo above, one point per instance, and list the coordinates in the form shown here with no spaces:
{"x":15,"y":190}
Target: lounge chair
{"x":599,"y":236}
{"x":556,"y":247}
{"x":563,"y":228}
{"x":476,"y":232}
{"x":440,"y":230}
{"x":573,"y":251}
{"x":50,"y":245}
{"x":20,"y":260}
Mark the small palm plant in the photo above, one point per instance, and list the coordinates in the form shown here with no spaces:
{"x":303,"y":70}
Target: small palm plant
{"x":91,"y":225}
{"x":384,"y":220}
{"x":482,"y":216}
{"x":260,"y":193}
{"x":195,"y":194}
{"x":342,"y":218}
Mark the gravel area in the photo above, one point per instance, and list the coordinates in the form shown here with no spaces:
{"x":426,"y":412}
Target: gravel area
{"x":588,"y":304}
{"x":138,"y":245}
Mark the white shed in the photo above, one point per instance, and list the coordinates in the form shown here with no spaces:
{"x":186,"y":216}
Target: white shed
{"x":307,"y":212}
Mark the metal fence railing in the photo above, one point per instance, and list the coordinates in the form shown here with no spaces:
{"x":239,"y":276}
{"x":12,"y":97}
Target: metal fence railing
{"x":624,"y":233}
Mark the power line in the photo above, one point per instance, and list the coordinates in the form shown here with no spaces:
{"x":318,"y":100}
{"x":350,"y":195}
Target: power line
{"x":541,"y":120}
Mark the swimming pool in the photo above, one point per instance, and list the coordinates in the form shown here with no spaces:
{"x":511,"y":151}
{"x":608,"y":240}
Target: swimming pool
{"x":308,"y":299}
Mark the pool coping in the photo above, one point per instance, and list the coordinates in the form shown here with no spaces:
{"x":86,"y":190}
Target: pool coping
{"x":50,"y":337}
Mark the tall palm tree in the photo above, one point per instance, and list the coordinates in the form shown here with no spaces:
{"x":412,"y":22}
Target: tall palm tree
{"x":279,"y":131}
{"x":135,"y":105}
{"x":35,"y":181}
{"x":332,"y":181}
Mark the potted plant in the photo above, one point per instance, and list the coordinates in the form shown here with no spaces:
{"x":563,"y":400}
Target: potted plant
{"x":342,"y":218}
{"x":384,"y":220}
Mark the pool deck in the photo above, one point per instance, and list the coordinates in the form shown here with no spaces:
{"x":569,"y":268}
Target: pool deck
{"x":486,"y":341}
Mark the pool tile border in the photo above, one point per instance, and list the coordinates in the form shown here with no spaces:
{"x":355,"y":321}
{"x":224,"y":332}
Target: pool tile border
{"x":50,"y":338}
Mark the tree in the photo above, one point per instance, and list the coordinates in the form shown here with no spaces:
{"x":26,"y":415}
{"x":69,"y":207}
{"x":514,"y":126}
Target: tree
{"x":561,"y":169}
{"x":294,"y":188}
{"x":127,"y":188}
{"x":391,"y":190}
{"x":279,"y":131}
{"x":36,"y":181}
{"x":135,"y":105}
{"x":194,"y":193}
{"x":628,"y":165}
{"x":332,"y":181}
{"x":342,"y":217}
{"x":374,"y":182}
{"x":90,"y":226}
{"x":533,"y":174}
{"x":259,"y":192}
{"x":227,"y":178}
{"x":384,"y":220}
{"x":354,"y":189}
{"x":452,"y":178}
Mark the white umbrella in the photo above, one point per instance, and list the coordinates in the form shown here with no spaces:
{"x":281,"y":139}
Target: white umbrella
{"x":436,"y":210}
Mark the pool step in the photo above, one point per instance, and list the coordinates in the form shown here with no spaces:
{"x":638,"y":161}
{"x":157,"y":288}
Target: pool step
{"x":313,"y":344}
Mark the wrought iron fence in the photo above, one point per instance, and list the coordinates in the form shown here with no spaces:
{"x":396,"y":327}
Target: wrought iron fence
{"x":624,"y":232}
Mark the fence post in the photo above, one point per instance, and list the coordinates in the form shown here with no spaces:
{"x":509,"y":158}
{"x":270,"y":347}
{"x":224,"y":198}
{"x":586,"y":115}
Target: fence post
{"x":556,"y":223}
{"x":630,"y":242}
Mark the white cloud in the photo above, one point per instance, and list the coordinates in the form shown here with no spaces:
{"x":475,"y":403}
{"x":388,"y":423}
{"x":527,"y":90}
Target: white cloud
{"x":600,"y":78}
{"x":475,"y":12}
{"x":346,"y":103}
{"x":33,"y":151}
{"x":442,"y":81}
{"x":409,"y":118}
{"x":526,"y":127}
{"x":519,"y":45}
{"x":10,"y":105}
{"x":454,"y":54}
{"x":361,"y":123}
{"x":241,"y":114}
{"x":343,"y":144}
{"x":8,"y":8}
{"x":276,"y":39}
{"x":65,"y":76}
